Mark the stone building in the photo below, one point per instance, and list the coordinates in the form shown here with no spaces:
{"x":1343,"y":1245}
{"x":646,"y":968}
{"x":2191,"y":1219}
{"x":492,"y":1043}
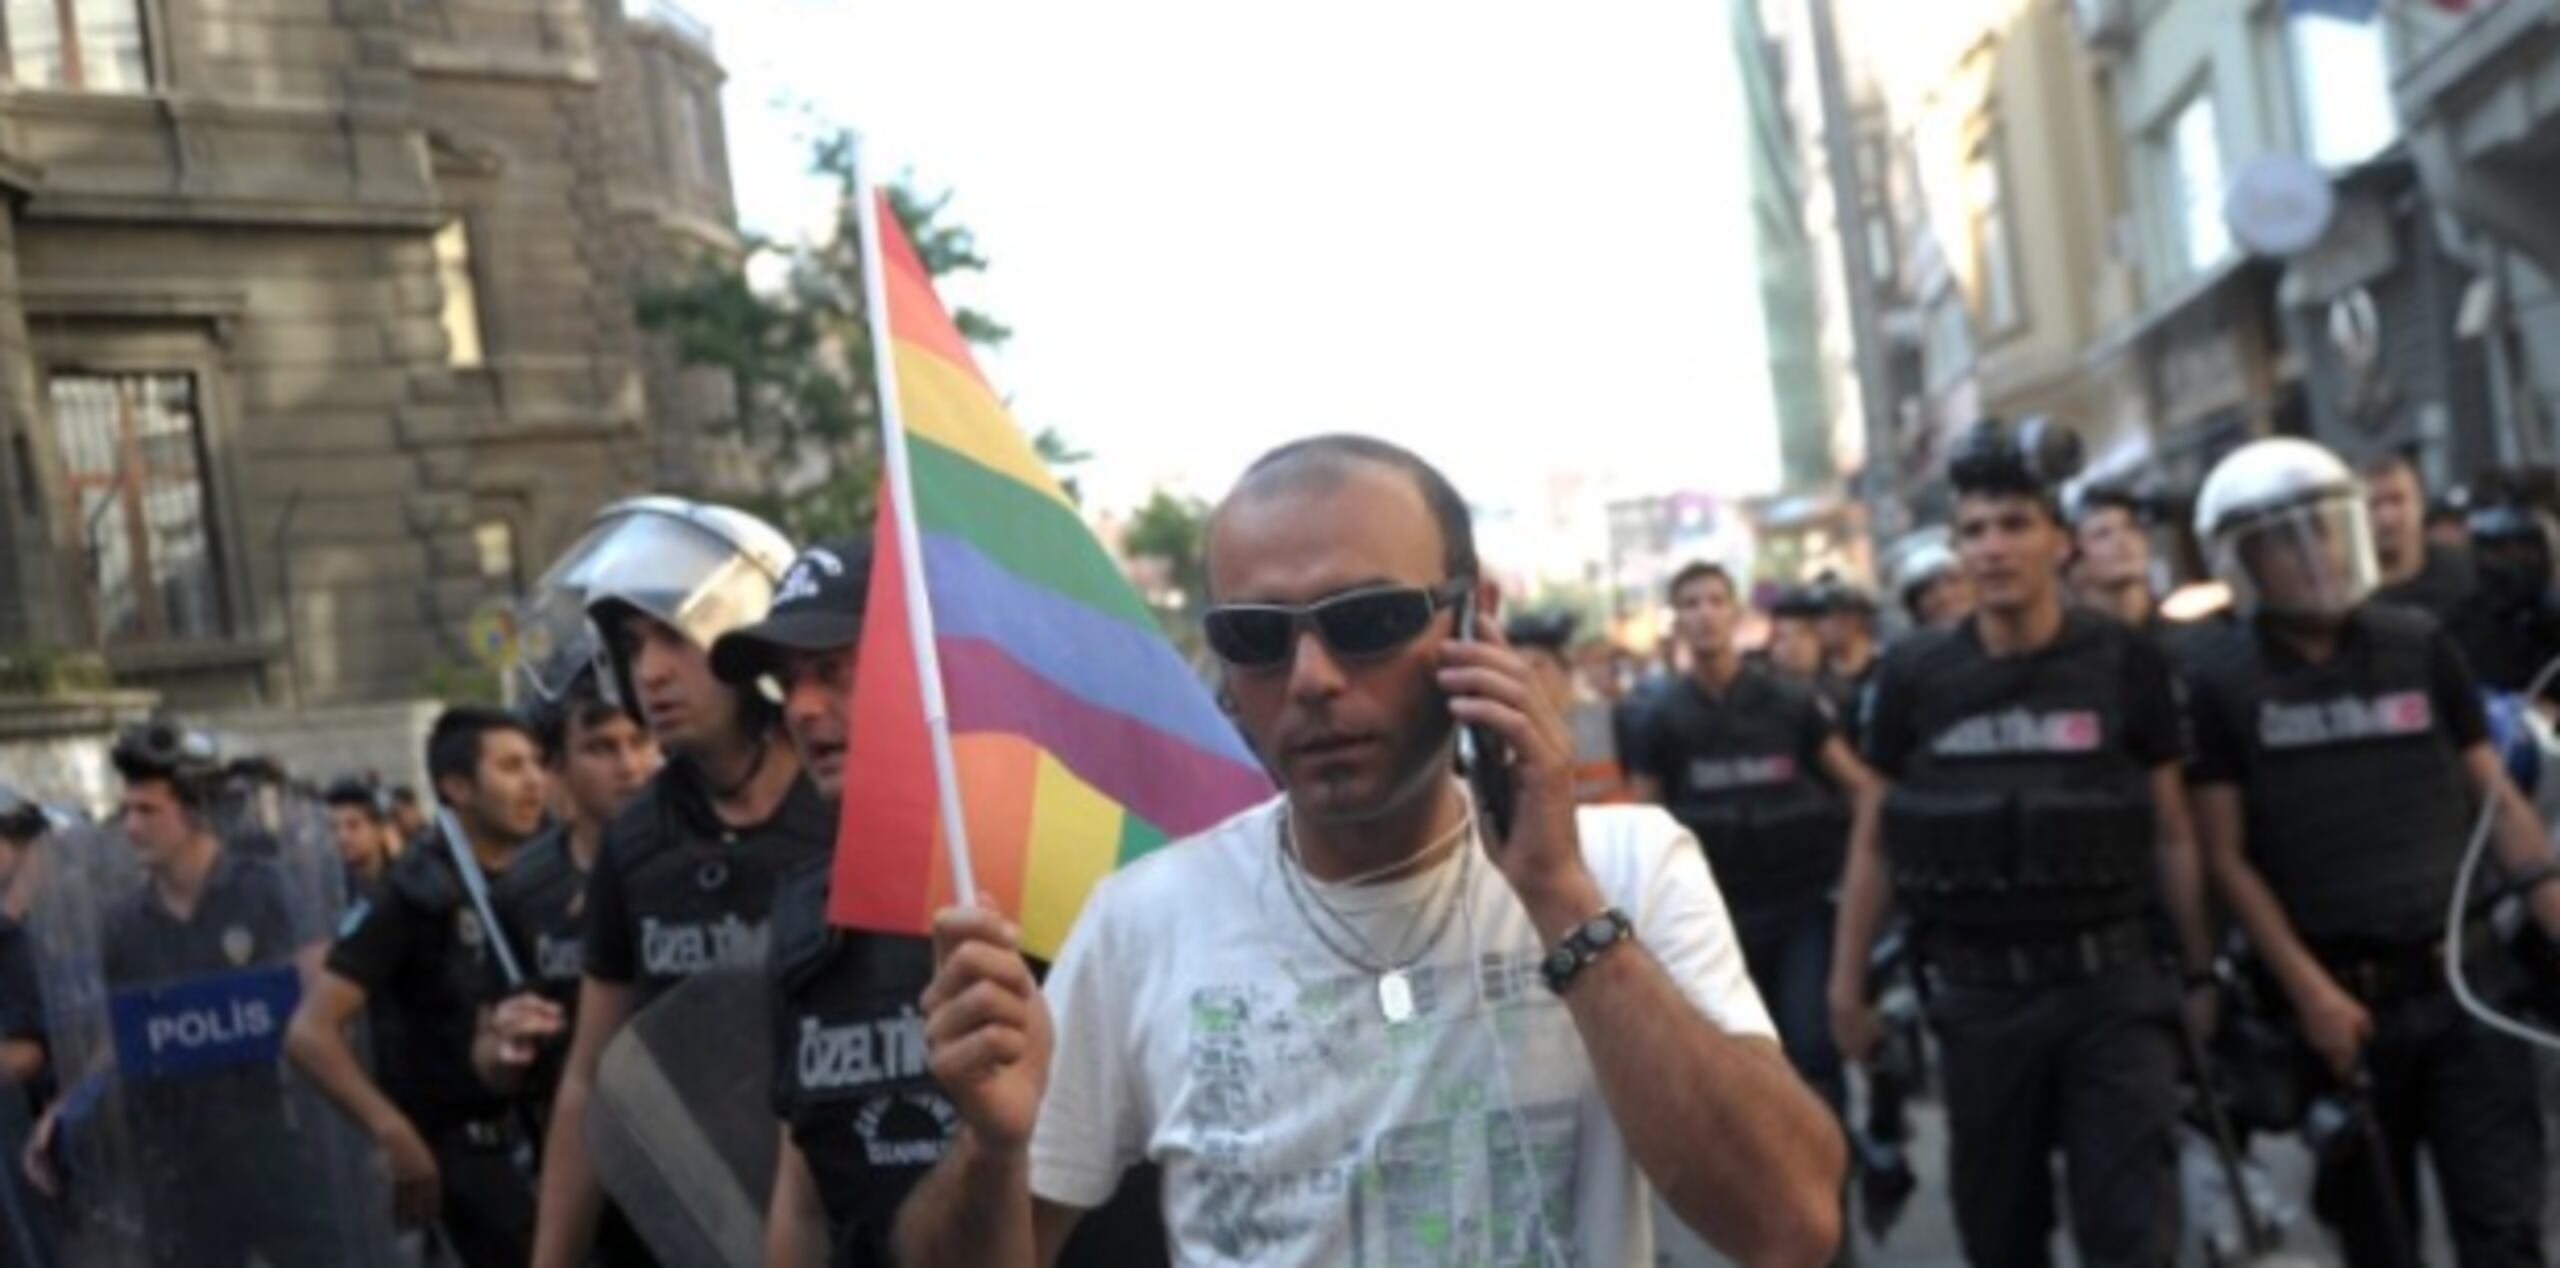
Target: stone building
{"x":317,"y":323}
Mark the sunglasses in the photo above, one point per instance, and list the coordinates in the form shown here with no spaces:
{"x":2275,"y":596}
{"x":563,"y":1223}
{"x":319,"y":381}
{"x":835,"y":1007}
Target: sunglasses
{"x":1360,"y":625}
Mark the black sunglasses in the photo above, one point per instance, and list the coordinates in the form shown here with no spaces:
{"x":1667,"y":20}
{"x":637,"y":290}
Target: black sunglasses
{"x":1360,"y":625}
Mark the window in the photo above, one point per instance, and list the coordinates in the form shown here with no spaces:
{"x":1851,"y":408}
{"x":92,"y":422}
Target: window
{"x":87,"y":45}
{"x":495,"y":542}
{"x":2341,"y":85}
{"x":462,"y":346}
{"x":133,"y":465}
{"x":2194,"y":158}
{"x":1995,"y":269}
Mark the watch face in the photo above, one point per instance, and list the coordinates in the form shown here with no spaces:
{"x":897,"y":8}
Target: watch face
{"x":1560,"y":962}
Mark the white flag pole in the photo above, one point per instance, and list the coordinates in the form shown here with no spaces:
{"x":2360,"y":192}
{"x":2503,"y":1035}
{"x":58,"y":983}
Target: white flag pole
{"x":902,"y":502}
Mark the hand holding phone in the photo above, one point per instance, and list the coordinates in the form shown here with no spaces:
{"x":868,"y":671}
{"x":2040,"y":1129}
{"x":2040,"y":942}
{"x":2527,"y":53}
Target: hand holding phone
{"x":1484,"y":757}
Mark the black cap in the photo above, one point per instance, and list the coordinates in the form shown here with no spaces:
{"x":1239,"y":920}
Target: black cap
{"x":818,"y":607}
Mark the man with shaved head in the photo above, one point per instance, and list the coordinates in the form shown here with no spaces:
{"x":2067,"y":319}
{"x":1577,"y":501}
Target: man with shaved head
{"x":1369,"y":1021}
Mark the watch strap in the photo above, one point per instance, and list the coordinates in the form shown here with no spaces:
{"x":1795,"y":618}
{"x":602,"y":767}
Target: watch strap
{"x":1585,"y":943}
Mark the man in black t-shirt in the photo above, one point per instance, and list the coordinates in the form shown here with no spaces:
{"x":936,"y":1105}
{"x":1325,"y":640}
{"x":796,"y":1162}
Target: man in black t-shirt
{"x":2414,"y":572}
{"x":1752,"y":765}
{"x":2034,"y":829}
{"x":2340,"y":752}
{"x":416,"y":959}
{"x":598,"y":758}
{"x":862,"y":1117}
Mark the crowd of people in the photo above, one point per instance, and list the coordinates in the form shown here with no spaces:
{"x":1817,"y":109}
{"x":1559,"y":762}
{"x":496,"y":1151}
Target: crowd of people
{"x":1522,"y":952}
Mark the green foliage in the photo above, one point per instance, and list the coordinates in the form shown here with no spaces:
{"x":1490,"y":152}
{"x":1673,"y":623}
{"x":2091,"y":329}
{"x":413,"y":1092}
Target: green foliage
{"x":799,"y":359}
{"x":1173,"y":531}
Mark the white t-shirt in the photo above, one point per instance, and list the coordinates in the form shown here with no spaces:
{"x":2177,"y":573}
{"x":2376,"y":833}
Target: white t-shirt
{"x":1202,"y":1025}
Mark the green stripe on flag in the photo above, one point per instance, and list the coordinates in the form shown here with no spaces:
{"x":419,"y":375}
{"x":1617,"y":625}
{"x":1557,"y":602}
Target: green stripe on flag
{"x":1138,"y":838}
{"x":1031,"y":536}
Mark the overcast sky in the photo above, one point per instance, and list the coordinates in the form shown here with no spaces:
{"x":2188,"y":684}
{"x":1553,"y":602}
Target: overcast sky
{"x":1513,"y":235}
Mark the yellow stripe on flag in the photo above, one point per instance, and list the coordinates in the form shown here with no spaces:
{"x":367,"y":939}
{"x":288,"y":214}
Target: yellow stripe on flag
{"x":1075,"y":842}
{"x":946,"y":405}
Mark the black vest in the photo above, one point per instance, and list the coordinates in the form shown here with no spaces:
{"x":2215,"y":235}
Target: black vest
{"x":1735,"y":774}
{"x":850,"y":1078}
{"x":2358,"y":805}
{"x":2021,"y":812}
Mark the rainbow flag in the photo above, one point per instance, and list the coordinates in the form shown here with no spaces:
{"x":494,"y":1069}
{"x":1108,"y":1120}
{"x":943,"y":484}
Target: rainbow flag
{"x":1080,"y":739}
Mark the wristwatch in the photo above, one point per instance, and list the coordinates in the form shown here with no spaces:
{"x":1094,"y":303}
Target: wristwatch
{"x":1584,"y":945}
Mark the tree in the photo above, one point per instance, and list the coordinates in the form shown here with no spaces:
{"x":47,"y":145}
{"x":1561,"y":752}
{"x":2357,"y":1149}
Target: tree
{"x":1172,"y":532}
{"x":799,"y":360}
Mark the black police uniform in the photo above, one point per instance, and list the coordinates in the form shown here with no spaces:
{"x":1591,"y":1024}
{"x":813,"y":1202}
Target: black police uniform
{"x":227,"y":1171}
{"x":422,"y":955}
{"x":2019,"y":834}
{"x":675,"y":891}
{"x":2437,"y":588}
{"x":542,"y":908}
{"x":852,"y":1086}
{"x":1743,"y":772}
{"x":2358,"y":808}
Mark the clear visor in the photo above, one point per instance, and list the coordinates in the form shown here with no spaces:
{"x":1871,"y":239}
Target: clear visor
{"x":2315,"y":559}
{"x":666,"y":566}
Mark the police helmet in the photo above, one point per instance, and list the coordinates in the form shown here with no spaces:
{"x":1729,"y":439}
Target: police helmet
{"x":2283,"y":523}
{"x":700,"y":569}
{"x":1918,"y":567}
{"x":189,"y":758}
{"x":21,"y":819}
{"x":2031,"y":457}
{"x":2514,"y":547}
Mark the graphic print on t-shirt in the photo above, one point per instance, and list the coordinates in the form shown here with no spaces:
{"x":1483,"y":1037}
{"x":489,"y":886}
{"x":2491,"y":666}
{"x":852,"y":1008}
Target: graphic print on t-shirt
{"x":1415,"y":1191}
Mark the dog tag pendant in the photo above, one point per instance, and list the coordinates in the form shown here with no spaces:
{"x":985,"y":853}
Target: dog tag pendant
{"x":1395,"y":997}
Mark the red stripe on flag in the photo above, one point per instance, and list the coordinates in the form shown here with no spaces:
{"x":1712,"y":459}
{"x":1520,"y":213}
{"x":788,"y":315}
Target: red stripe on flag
{"x":916,"y":314}
{"x":885,"y":836}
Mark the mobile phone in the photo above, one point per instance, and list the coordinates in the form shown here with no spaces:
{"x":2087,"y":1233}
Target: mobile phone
{"x":1483,"y":757}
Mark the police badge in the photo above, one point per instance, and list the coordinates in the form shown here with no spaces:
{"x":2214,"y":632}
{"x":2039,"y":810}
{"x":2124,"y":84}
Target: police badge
{"x":238,"y":944}
{"x":466,"y":928}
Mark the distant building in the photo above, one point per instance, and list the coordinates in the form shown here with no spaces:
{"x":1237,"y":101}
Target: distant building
{"x":316,"y":323}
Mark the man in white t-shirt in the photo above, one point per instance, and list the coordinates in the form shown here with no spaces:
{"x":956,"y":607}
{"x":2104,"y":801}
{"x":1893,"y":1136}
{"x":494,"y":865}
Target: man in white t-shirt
{"x":1358,"y":1025}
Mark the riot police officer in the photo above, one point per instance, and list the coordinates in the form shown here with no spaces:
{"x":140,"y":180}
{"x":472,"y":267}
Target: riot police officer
{"x":2339,"y":752}
{"x":414,"y":963}
{"x":2034,"y":827}
{"x":200,"y":958}
{"x":862,"y":1118}
{"x":1751,"y":763}
{"x":597,"y":756}
{"x":685,"y":878}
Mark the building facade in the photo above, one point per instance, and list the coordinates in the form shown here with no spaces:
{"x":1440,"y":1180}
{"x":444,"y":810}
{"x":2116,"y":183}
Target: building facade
{"x":317,"y":324}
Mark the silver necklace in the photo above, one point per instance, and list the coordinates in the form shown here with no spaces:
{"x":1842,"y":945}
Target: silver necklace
{"x":1393,"y":974}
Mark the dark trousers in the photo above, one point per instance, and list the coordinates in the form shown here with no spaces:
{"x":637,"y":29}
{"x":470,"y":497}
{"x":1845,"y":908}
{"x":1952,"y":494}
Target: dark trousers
{"x":1788,"y":953}
{"x":2085,"y":1068}
{"x":2467,"y":1094}
{"x":487,"y":1220}
{"x":217,"y":1203}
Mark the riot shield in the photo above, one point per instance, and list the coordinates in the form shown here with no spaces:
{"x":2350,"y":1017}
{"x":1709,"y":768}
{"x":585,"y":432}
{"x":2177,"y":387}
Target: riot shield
{"x":182,"y":1137}
{"x":681,"y":1122}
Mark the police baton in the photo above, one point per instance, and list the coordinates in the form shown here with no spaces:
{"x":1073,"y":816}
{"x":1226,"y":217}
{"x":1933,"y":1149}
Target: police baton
{"x":2259,"y":1239}
{"x":476,"y":884}
{"x":2386,"y":1184}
